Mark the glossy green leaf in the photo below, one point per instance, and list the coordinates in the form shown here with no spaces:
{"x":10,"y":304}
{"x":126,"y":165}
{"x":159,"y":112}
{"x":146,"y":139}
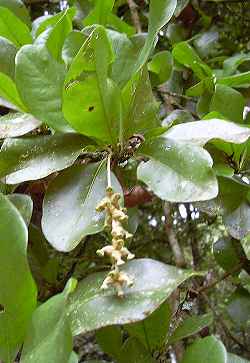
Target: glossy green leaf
{"x":33,"y":158}
{"x":140,"y":107}
{"x":228,"y":102}
{"x":152,"y":331}
{"x":238,"y":308}
{"x":49,"y":338}
{"x":69,"y":212}
{"x":72,"y":45}
{"x":58,"y":35}
{"x":226,"y":253}
{"x":9,"y":93}
{"x":93,"y":105}
{"x":12,"y":28}
{"x":73,"y":358}
{"x":91,"y":308}
{"x":161,"y":67}
{"x":18,"y":8}
{"x":7,"y":57}
{"x":41,"y":91}
{"x":237,"y":80}
{"x":110,"y":340}
{"x":17,"y":124}
{"x":200,"y":132}
{"x":24,"y":205}
{"x":186,"y":55}
{"x":100,"y":13}
{"x":17,"y":288}
{"x":206,"y":350}
{"x":134,"y":351}
{"x":177,"y":172}
{"x":160,"y":12}
{"x":190,"y":326}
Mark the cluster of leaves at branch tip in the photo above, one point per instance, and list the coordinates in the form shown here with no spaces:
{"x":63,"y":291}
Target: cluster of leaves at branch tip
{"x":115,"y":218}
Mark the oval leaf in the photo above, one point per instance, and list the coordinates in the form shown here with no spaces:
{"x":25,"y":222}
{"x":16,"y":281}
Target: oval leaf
{"x":91,"y":308}
{"x":17,"y":124}
{"x":34,"y":158}
{"x":69,"y":212}
{"x":178,"y":172}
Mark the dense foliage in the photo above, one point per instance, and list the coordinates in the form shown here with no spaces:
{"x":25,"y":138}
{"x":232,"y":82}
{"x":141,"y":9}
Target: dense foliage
{"x":125,"y":165}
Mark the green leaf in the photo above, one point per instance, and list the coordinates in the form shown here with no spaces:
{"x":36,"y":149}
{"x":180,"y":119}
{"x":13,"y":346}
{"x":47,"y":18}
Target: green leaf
{"x":100,"y":13}
{"x":73,"y":358}
{"x":177,"y":172}
{"x":17,"y":124}
{"x":237,"y":80}
{"x":161,"y":67}
{"x":140,"y":107}
{"x":12,"y":28}
{"x":238,"y":308}
{"x":69,"y":212}
{"x":206,"y":350}
{"x":119,"y":25}
{"x":49,"y":338}
{"x":58,"y":35}
{"x":17,"y":288}
{"x":134,"y":351}
{"x":160,"y":12}
{"x":33,"y":158}
{"x":92,"y":308}
{"x":190,"y":326}
{"x":226,"y":253}
{"x":228,"y":102}
{"x":200,"y":132}
{"x":7,"y":57}
{"x":72,"y":45}
{"x":93,"y":105}
{"x":232,"y":358}
{"x":41,"y":91}
{"x":152,"y":331}
{"x":18,"y":8}
{"x":23,"y":204}
{"x":9,"y":93}
{"x":186,"y":55}
{"x":110,"y":340}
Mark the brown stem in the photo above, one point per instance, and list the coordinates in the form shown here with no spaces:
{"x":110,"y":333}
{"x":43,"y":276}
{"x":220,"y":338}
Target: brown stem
{"x":135,"y":15}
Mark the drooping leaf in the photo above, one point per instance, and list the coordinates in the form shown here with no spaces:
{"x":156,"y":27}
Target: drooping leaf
{"x":229,"y":102}
{"x":7,"y":57}
{"x":24,"y":205}
{"x":152,"y":331}
{"x":17,"y":288}
{"x":12,"y":28}
{"x":161,"y":67}
{"x":93,"y":105}
{"x":206,"y":350}
{"x":69,"y":211}
{"x":41,"y":91}
{"x":33,"y":158}
{"x":200,"y":132}
{"x":190,"y":326}
{"x":49,"y":338}
{"x":17,"y":124}
{"x":237,"y":80}
{"x":18,"y":8}
{"x":238,"y":222}
{"x":177,"y":172}
{"x":91,"y":308}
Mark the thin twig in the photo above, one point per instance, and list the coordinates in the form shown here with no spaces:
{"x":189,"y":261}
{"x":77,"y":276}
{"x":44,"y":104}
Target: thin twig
{"x":135,"y":15}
